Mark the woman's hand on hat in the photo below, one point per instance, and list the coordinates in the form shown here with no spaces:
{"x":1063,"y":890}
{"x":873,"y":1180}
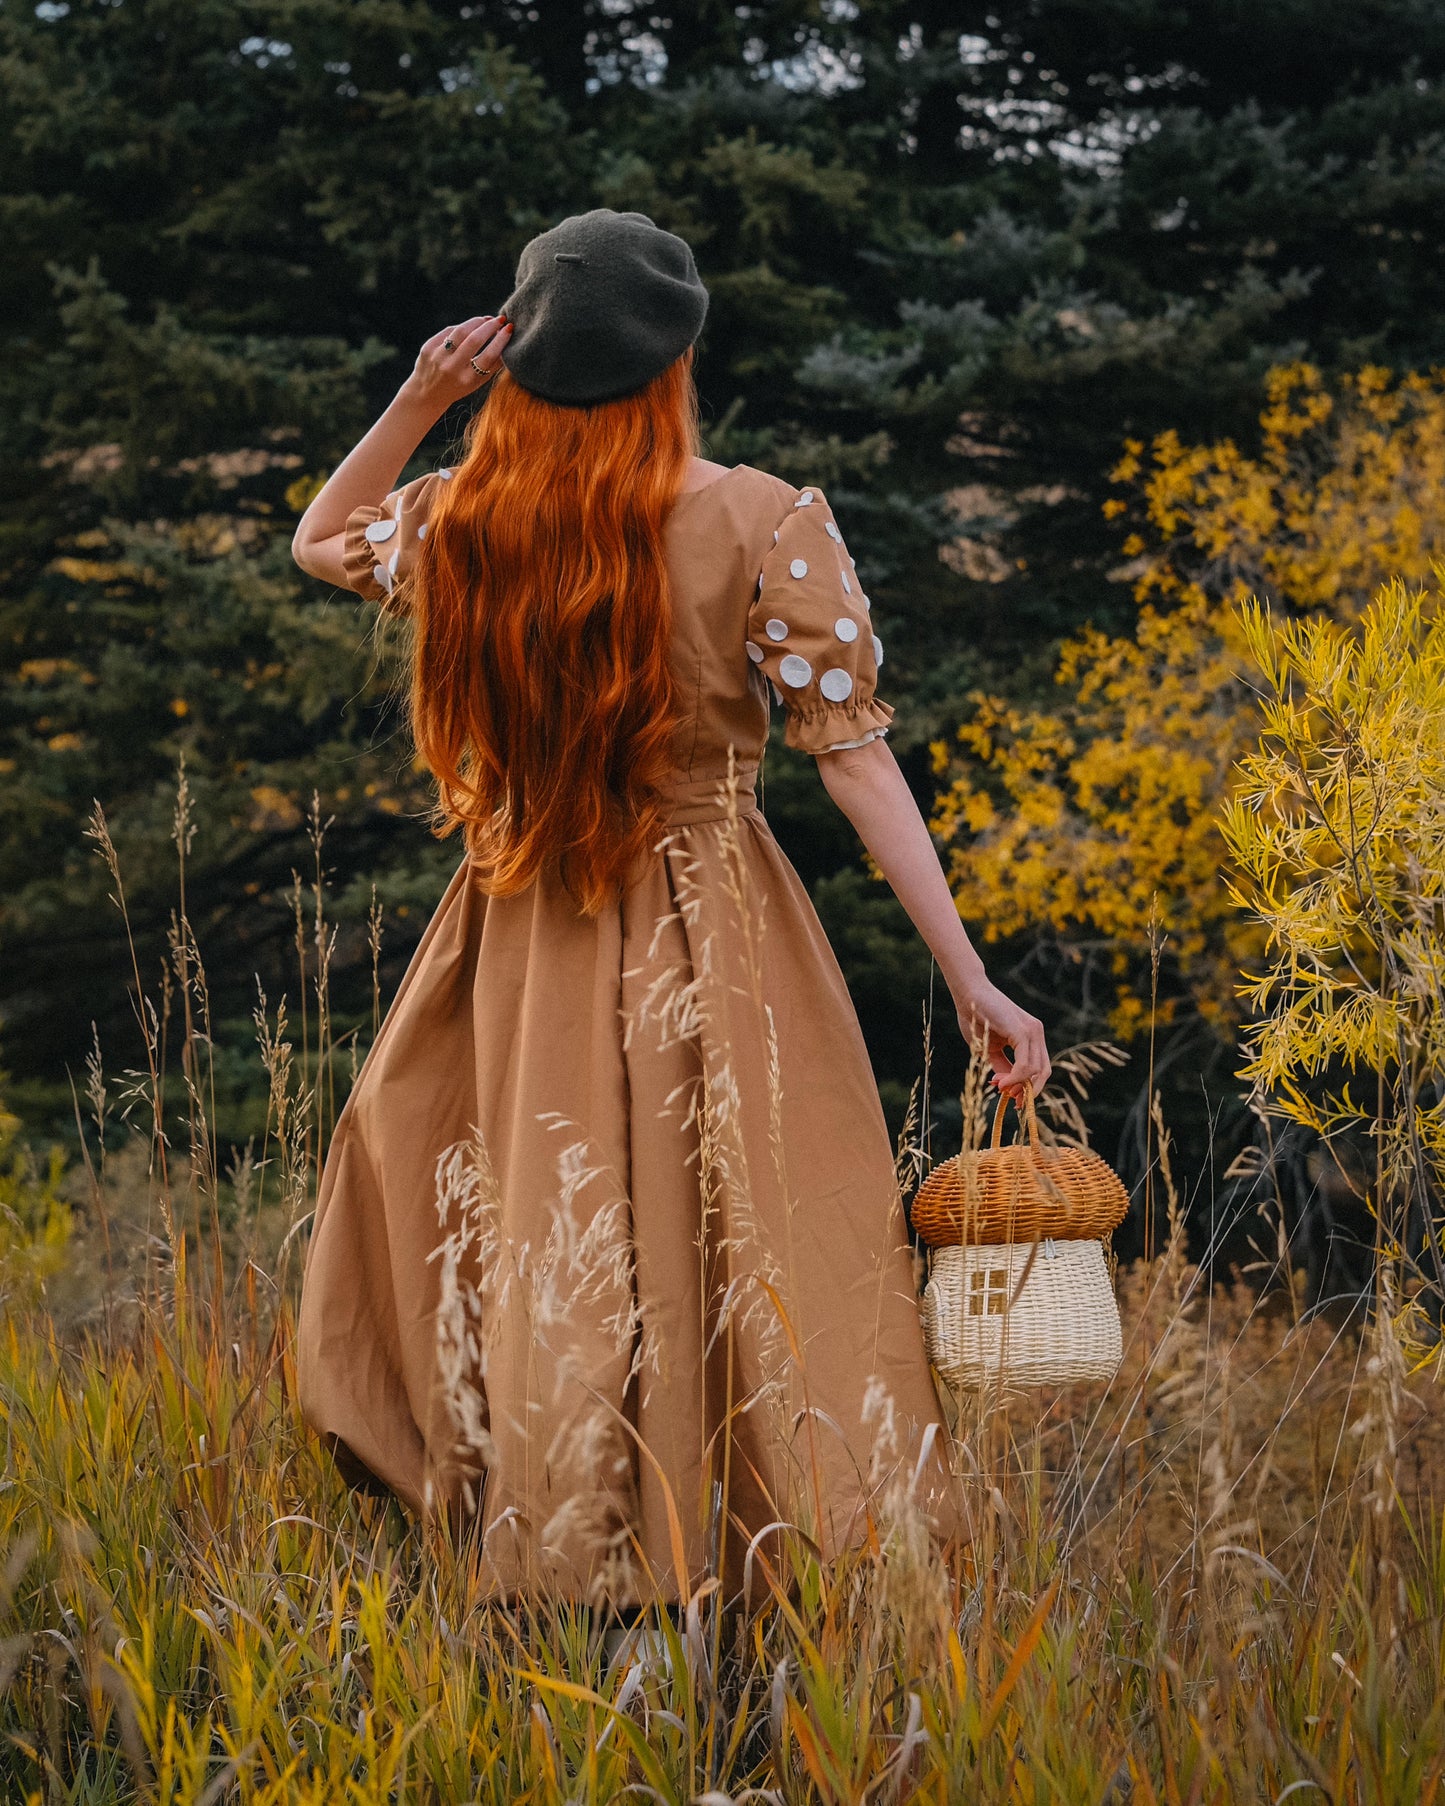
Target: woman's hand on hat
{"x":993,"y":1023}
{"x":458,"y":360}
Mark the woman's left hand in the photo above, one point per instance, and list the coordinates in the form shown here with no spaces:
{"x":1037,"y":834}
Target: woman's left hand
{"x":456,"y":361}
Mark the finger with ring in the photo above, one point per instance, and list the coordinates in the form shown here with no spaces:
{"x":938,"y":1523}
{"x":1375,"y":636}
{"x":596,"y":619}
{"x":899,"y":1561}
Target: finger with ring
{"x":459,"y":332}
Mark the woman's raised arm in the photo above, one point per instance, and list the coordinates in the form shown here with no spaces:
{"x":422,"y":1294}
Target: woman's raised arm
{"x":866,"y":784}
{"x":444,"y":374}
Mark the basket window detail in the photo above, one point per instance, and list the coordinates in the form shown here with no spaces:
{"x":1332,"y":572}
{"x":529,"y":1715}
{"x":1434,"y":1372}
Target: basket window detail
{"x":987,"y":1291}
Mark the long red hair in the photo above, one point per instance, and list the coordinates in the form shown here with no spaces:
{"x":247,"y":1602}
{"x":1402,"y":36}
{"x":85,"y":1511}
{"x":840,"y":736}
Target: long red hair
{"x":541,"y":695}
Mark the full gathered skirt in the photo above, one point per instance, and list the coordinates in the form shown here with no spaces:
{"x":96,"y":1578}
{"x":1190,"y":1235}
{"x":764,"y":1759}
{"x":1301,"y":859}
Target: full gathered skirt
{"x":609,"y":1248}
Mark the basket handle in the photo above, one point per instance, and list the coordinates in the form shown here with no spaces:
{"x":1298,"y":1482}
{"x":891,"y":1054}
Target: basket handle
{"x":1027,"y":1115}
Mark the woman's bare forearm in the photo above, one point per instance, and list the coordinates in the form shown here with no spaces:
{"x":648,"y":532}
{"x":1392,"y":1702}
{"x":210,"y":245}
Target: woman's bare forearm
{"x":866,"y":784}
{"x":368,"y":472}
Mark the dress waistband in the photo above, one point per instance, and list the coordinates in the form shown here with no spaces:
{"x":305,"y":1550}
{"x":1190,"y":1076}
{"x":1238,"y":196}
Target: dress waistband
{"x":692,"y":800}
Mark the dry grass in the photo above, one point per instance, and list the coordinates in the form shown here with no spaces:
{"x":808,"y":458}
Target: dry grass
{"x":1222,"y":1579}
{"x":1194,"y":1604}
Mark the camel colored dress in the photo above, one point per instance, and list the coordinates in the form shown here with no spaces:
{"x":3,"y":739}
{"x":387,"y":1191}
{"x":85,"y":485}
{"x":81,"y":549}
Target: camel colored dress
{"x":608,"y":1247}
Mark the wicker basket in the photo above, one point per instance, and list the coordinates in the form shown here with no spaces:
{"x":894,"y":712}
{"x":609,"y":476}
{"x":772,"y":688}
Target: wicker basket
{"x":1022,"y":1314}
{"x":1019,"y":1193}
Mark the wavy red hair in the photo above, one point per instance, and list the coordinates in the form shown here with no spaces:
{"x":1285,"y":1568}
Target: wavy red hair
{"x":541,"y":695}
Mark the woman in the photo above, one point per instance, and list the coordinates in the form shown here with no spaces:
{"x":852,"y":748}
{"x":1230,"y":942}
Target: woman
{"x":608,"y":1248}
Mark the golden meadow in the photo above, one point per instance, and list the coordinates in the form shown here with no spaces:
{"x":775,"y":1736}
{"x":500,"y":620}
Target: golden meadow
{"x":1220,"y":1579}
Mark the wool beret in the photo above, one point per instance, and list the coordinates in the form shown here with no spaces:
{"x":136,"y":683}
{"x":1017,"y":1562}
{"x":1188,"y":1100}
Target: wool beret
{"x":603,"y":303}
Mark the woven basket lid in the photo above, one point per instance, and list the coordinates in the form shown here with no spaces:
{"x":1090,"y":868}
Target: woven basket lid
{"x":1019,"y":1193}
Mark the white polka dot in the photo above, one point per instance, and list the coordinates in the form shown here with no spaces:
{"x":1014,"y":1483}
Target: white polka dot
{"x":755,"y":653}
{"x":836,"y":684}
{"x":795,"y":671}
{"x":847,"y":586}
{"x":799,"y":567}
{"x":393,"y":561}
{"x":866,"y":603}
{"x":776,"y":691}
{"x":877,"y":650}
{"x":846,"y":629}
{"x":380,"y":530}
{"x":421,"y":531}
{"x":445,"y":475}
{"x":804,"y":499}
{"x":776,"y":536}
{"x":776,"y":629}
{"x":854,"y":562}
{"x":760,"y":585}
{"x":381,"y":575}
{"x":833,"y":532}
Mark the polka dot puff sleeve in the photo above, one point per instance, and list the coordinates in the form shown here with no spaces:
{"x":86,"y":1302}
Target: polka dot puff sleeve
{"x":810,"y":632}
{"x":380,"y":544}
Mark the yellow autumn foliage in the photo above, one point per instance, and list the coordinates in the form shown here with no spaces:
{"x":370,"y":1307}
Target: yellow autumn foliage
{"x":1336,"y":835}
{"x":1088,"y":818}
{"x":91,"y":570}
{"x":303,"y":491}
{"x":272,"y":810}
{"x":1335,"y":831}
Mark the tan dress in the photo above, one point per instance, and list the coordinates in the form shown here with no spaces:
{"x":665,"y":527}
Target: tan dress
{"x":609,"y":1235}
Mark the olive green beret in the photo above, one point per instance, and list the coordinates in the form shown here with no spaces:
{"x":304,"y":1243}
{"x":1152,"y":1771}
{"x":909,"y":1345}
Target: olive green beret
{"x":603,"y":303}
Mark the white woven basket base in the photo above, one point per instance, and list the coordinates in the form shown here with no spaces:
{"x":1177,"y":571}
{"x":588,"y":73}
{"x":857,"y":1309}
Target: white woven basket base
{"x":1062,"y":1328}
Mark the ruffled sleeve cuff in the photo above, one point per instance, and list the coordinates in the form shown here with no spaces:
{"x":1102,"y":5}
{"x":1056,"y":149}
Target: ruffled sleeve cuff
{"x":837,"y":727}
{"x":358,"y":555}
{"x":381,"y":542}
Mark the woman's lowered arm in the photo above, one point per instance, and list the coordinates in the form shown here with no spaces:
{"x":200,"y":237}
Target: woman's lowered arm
{"x":866,"y":784}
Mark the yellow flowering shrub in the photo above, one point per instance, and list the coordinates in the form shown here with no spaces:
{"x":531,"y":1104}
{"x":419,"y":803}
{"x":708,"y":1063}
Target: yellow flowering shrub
{"x":1335,"y":829}
{"x":1091,"y":817}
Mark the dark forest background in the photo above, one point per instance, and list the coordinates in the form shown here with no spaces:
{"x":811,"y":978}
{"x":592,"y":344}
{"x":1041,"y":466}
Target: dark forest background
{"x":956,"y":257}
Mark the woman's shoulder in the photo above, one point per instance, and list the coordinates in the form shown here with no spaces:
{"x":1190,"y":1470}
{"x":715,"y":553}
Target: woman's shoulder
{"x":743,"y":494}
{"x":744,"y":515}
